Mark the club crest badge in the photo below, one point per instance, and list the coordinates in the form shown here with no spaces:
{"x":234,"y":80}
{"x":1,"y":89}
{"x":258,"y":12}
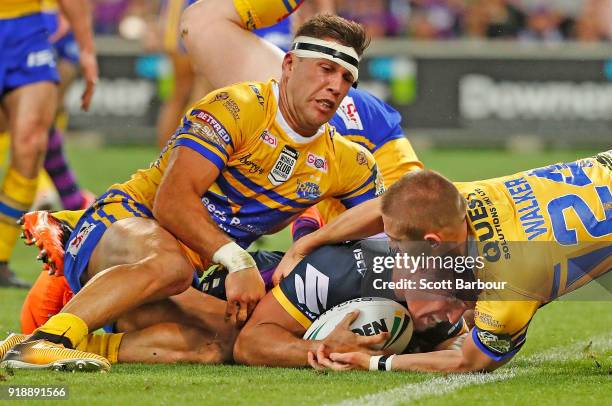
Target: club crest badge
{"x":284,"y":166}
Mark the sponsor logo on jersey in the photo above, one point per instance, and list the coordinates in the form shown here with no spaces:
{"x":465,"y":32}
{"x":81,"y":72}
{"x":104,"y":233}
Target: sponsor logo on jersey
{"x":499,"y":343}
{"x":484,"y":217}
{"x":269,"y":138}
{"x":308,"y":190}
{"x":260,"y":98}
{"x":206,"y":132}
{"x":252,"y":166}
{"x":78,"y":241}
{"x":316,"y":162}
{"x":312,"y":290}
{"x":229,"y":104}
{"x":361,"y":158}
{"x":349,"y":114}
{"x":360,"y":264}
{"x":487,"y":319}
{"x":212,"y":121}
{"x":284,"y":166}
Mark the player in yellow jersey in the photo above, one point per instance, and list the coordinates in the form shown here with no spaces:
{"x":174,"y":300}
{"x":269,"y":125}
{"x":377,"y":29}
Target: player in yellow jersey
{"x":362,"y":117}
{"x":28,"y":89}
{"x":539,"y":234}
{"x":238,"y":167}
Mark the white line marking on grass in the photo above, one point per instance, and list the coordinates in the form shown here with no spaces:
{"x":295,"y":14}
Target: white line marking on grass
{"x":442,"y":385}
{"x":432,"y":387}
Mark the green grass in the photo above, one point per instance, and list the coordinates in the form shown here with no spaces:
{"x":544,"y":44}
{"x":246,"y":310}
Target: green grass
{"x":560,"y":330}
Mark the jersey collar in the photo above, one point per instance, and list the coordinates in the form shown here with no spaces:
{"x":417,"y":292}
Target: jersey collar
{"x":300,"y":139}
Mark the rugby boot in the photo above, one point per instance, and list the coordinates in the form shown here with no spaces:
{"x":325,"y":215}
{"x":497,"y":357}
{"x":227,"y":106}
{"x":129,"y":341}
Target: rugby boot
{"x":11,"y":341}
{"x":8,"y":279}
{"x":50,"y":235}
{"x":43,"y":354}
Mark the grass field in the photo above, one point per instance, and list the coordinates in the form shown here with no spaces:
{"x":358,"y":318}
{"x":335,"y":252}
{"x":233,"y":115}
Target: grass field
{"x":567,"y":358}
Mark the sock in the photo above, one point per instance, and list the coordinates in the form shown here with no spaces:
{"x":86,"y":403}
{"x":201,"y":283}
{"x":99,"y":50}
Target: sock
{"x":16,"y":196}
{"x":70,"y":217}
{"x":308,"y":222}
{"x":61,"y":174}
{"x":264,"y":13}
{"x":63,"y":328}
{"x":106,"y":345}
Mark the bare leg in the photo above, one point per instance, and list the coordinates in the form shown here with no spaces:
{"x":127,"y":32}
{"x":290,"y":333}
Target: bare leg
{"x":135,"y":262}
{"x":172,"y":342}
{"x":240,"y":56}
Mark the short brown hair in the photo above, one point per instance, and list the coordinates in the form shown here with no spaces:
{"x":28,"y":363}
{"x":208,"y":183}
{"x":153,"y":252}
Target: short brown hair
{"x":423,"y":201}
{"x":346,"y":32}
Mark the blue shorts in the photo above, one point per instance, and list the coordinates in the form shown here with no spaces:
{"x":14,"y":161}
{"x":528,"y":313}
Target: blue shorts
{"x":112,"y":206}
{"x":66,"y":48}
{"x":25,"y":53}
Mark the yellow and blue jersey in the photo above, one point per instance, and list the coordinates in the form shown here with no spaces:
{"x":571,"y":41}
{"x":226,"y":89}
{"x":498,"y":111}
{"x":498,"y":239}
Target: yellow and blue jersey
{"x":544,"y":232}
{"x":268,"y":172}
{"x":19,"y":8}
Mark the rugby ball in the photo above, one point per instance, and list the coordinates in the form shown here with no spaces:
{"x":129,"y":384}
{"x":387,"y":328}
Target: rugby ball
{"x":376,"y":315}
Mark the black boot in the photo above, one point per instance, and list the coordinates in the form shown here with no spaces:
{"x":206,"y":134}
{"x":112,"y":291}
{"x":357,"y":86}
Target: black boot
{"x":8,"y":279}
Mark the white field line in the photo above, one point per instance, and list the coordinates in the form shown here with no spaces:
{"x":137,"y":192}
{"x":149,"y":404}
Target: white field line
{"x":442,"y":385}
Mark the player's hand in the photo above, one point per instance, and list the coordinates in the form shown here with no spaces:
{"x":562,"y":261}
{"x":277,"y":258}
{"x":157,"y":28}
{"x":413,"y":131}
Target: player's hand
{"x":89,"y":66}
{"x":243,"y":290}
{"x":292,"y":257}
{"x":342,"y":339}
{"x":338,"y":361}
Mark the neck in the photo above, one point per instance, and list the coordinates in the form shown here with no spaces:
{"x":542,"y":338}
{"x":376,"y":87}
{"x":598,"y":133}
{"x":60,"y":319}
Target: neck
{"x":290,"y":113}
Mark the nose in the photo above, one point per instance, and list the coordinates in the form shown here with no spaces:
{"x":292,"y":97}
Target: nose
{"x":335,"y":83}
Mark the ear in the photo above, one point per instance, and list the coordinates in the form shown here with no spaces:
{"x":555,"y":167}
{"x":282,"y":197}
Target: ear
{"x":288,"y":62}
{"x":433,"y":239}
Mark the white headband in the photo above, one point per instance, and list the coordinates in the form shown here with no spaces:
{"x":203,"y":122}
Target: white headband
{"x":309,"y":47}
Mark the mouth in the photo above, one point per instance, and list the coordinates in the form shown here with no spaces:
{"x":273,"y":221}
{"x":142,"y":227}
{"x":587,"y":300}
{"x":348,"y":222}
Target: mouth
{"x":325,"y":105}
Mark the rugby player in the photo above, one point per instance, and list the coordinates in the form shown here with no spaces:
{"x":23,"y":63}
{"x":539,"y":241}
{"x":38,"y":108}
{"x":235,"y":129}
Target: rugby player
{"x":28,"y":96}
{"x":362,"y":117}
{"x":546,"y":232}
{"x":242,"y":151}
{"x":338,"y":273}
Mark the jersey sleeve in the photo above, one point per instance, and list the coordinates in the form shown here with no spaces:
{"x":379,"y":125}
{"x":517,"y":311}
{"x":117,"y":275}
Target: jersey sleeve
{"x":322,"y":280}
{"x":359,"y":179}
{"x":395,"y":158}
{"x":213,"y":127}
{"x":501,"y":326}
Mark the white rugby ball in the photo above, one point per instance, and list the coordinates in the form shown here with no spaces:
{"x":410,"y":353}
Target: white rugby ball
{"x":376,"y":315}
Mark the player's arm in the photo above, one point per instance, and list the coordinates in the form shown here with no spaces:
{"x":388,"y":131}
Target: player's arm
{"x":469,"y":358}
{"x":200,"y":152}
{"x":273,"y":337}
{"x":78,"y":14}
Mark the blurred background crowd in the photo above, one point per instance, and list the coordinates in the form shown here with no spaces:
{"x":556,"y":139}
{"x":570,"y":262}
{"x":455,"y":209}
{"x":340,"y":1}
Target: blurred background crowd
{"x":523,"y":20}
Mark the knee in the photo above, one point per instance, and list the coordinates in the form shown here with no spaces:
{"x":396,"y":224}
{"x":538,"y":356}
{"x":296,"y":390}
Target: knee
{"x":171,"y":273}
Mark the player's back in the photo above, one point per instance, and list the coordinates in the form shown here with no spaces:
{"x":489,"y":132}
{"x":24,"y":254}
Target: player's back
{"x":545,"y":231}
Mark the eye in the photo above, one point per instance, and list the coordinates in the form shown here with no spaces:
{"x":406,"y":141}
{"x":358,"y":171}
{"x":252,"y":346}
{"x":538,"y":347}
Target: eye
{"x":348,"y":78}
{"x":326,"y":68}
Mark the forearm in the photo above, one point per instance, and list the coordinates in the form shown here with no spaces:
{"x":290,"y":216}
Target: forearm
{"x":437,"y":361}
{"x":359,"y":222}
{"x":272,"y":345}
{"x":78,"y":14}
{"x":188,"y":220}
